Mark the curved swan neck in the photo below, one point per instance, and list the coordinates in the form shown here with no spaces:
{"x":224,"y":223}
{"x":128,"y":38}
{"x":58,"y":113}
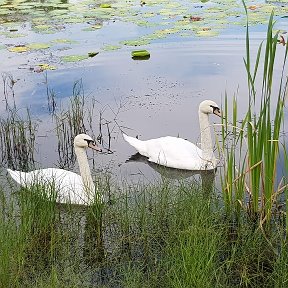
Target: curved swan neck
{"x":85,"y":171}
{"x":206,"y":140}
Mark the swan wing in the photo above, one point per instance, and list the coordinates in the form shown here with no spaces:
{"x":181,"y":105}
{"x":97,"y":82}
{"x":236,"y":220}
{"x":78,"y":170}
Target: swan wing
{"x":174,"y":152}
{"x":68,"y":185}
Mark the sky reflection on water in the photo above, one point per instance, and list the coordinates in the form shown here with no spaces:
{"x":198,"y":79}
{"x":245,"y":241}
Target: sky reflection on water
{"x":158,"y":97}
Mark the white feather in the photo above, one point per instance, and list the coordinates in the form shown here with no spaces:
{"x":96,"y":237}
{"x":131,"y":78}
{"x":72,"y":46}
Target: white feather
{"x":177,"y":152}
{"x":69,"y":186}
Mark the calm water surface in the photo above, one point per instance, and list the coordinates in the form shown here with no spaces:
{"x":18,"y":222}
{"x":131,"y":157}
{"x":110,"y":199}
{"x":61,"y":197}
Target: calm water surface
{"x":150,"y":98}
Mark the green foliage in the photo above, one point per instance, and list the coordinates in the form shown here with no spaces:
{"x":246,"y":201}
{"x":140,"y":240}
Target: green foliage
{"x":249,"y":179}
{"x":162,"y":235}
{"x":74,"y":58}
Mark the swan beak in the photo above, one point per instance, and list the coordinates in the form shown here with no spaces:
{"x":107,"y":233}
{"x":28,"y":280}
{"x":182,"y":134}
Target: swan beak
{"x":94,"y":146}
{"x":217,"y":112}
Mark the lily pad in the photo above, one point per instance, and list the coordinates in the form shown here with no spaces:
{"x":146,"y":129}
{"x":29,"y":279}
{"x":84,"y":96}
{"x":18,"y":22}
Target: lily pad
{"x":42,"y":27}
{"x":44,"y":66}
{"x":105,"y":5}
{"x":74,"y":58}
{"x":19,"y":49}
{"x":138,"y":42}
{"x":12,"y":34}
{"x":38,"y":46}
{"x":207,"y":33}
{"x":64,"y":41}
{"x":92,"y":27}
{"x":140,"y":54}
{"x":111,"y":47}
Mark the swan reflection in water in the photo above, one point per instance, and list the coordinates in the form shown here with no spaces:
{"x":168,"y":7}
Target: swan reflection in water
{"x":207,"y":176}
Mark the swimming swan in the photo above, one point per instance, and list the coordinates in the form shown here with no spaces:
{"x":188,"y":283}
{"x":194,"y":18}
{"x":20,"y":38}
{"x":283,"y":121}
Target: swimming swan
{"x":179,"y":153}
{"x":69,"y":186}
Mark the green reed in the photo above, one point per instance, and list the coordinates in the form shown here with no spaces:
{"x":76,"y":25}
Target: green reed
{"x":70,"y":122}
{"x":249,"y":180}
{"x":17,"y":139}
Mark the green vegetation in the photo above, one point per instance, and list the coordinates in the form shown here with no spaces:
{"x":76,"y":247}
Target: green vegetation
{"x":155,"y":21}
{"x":250,"y":178}
{"x":167,"y":234}
{"x":163,"y":235}
{"x":140,"y":54}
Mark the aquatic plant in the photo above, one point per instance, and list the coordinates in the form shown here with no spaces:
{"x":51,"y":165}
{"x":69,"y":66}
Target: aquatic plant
{"x":160,"y":235}
{"x":17,"y":139}
{"x":250,"y":178}
{"x":70,"y":122}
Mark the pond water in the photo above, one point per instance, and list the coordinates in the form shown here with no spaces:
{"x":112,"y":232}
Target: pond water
{"x":196,"y":53}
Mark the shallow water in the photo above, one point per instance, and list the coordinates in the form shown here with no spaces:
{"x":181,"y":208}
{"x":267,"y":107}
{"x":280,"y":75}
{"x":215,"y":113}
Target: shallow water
{"x":148,"y":98}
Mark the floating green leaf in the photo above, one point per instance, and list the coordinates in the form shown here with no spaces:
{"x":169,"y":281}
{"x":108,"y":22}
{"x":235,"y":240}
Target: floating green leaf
{"x":93,"y":27}
{"x":111,"y":47}
{"x":74,"y":58}
{"x":45,"y":66}
{"x":64,"y":41}
{"x":140,"y":54}
{"x":42,"y":27}
{"x":12,"y":34}
{"x":207,"y":33}
{"x":38,"y":46}
{"x":19,"y":49}
{"x":138,"y":42}
{"x":105,"y":5}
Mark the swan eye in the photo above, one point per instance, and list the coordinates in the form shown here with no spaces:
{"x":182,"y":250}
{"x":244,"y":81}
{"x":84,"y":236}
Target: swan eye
{"x":215,"y":109}
{"x":89,"y":141}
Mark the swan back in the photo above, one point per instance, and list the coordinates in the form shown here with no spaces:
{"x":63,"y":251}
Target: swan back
{"x":177,"y":153}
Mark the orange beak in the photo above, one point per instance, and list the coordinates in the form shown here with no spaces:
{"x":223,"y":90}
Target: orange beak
{"x":94,"y":146}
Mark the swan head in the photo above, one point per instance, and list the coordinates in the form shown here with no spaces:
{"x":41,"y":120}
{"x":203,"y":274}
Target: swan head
{"x":85,"y":141}
{"x":209,"y":107}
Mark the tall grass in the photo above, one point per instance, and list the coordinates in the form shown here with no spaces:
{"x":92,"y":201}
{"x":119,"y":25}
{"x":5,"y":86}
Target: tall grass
{"x":17,"y":139}
{"x":69,"y":123}
{"x":80,"y":115}
{"x":166,"y":234}
{"x":249,"y":180}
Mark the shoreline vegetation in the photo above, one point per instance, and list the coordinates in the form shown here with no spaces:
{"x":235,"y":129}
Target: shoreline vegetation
{"x":166,"y":234}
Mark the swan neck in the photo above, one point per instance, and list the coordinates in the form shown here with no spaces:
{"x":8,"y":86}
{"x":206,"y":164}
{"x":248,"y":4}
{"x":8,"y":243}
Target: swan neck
{"x":85,"y":171}
{"x":206,"y":140}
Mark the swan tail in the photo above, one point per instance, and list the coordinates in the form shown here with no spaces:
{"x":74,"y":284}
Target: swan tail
{"x":19,"y":177}
{"x":139,"y":145}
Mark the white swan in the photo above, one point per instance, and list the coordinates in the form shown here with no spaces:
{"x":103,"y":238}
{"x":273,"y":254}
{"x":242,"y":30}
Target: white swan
{"x":69,"y":186}
{"x":179,"y":153}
